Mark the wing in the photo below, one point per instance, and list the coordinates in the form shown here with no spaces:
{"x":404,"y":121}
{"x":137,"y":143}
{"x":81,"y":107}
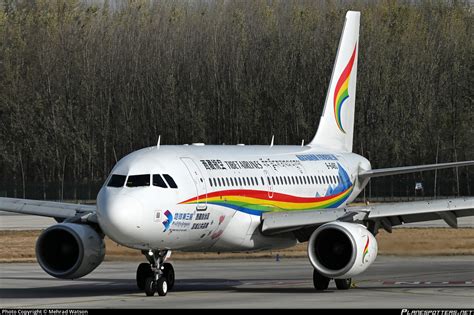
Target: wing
{"x":374,"y":216}
{"x":59,"y":210}
{"x":409,"y":169}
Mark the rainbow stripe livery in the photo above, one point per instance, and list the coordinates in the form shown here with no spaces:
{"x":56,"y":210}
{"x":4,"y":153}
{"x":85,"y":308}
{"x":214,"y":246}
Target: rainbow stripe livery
{"x":366,"y":250}
{"x":258,"y":201}
{"x":341,"y":93}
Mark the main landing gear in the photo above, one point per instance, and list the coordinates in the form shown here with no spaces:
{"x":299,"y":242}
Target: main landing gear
{"x":156,"y":276}
{"x":322,"y":282}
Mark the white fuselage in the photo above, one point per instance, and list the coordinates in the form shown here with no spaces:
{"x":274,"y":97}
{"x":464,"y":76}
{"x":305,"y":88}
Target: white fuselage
{"x":221,"y":193}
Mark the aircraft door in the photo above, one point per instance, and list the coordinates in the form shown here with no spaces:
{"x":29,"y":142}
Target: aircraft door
{"x":269,"y":184}
{"x":199,"y":183}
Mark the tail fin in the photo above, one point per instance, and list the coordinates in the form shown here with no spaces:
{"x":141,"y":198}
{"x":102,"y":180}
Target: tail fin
{"x":336,"y":126}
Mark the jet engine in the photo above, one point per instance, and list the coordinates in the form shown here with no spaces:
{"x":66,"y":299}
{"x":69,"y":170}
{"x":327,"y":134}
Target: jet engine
{"x":341,"y":250}
{"x":69,"y":250}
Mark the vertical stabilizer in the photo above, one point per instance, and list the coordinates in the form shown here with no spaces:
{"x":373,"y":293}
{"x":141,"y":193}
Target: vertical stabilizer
{"x":336,"y":126}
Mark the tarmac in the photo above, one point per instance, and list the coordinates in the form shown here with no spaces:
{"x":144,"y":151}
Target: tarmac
{"x":391,"y":282}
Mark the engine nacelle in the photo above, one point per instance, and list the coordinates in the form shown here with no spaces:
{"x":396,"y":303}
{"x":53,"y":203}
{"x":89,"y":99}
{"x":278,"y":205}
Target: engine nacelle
{"x":341,"y":250}
{"x":69,"y":250}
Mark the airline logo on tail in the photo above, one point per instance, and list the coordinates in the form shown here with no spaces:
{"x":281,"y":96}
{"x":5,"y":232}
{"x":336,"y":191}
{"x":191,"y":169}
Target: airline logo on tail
{"x":341,"y":93}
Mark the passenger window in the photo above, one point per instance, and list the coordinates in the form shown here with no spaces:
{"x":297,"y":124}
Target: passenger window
{"x":304,"y":179}
{"x":158,"y":181}
{"x":117,"y":181}
{"x":227,"y":181}
{"x":284,"y":178}
{"x":170,"y":181}
{"x":251,"y":180}
{"x":210,"y":182}
{"x":240,"y":181}
{"x":263,"y":183}
{"x":256,"y":181}
{"x":138,"y":180}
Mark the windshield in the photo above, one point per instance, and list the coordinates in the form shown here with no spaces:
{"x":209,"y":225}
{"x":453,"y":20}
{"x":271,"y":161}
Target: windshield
{"x":138,"y":180}
{"x":116,"y":181}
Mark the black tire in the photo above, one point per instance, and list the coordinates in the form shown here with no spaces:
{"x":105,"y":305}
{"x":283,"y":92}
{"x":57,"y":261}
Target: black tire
{"x":343,"y":284}
{"x":168,"y":273}
{"x":162,"y":286}
{"x":143,"y":272}
{"x":320,"y":282}
{"x":150,"y":286}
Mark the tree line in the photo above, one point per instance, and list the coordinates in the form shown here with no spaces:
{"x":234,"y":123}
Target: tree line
{"x":83,"y":83}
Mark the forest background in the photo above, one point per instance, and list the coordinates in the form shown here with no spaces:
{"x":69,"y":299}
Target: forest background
{"x":83,"y":83}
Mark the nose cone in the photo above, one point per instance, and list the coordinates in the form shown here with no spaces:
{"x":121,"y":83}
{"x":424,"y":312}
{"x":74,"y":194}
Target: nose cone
{"x":120,"y":217}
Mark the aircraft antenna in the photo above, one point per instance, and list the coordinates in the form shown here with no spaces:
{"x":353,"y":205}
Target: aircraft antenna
{"x":158,"y":143}
{"x":302,"y":143}
{"x":271,"y":143}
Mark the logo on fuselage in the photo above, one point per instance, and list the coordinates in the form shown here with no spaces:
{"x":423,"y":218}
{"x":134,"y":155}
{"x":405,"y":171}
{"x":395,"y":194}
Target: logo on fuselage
{"x":169,"y":219}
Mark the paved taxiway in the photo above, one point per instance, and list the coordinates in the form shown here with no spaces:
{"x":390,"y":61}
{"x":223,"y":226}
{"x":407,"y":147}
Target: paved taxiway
{"x":391,"y":282}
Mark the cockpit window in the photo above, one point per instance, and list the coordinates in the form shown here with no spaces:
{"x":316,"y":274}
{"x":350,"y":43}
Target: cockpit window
{"x":116,"y":181}
{"x":170,"y":181}
{"x":158,"y":181}
{"x":138,"y":180}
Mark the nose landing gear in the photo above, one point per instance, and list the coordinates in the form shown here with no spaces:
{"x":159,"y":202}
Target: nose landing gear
{"x":157,"y":276}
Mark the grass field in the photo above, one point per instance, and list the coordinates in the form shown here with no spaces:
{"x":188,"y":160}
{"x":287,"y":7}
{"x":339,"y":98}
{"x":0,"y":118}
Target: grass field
{"x":19,"y":246}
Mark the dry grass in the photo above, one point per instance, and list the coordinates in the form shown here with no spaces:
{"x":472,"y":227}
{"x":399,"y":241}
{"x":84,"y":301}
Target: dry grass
{"x":19,"y":246}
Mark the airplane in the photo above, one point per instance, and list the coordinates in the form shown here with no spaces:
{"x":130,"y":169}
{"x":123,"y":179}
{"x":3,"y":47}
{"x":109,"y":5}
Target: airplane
{"x":210,"y":198}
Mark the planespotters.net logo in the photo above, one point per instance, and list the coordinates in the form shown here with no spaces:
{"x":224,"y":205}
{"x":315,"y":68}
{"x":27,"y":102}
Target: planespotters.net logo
{"x":436,"y":312}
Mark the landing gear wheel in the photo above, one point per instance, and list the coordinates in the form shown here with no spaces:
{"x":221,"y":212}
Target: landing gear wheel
{"x":343,"y":284}
{"x":161,"y":277}
{"x":162,"y":286}
{"x":143,"y":272}
{"x":320,"y":282}
{"x":150,"y":286}
{"x":168,"y":274}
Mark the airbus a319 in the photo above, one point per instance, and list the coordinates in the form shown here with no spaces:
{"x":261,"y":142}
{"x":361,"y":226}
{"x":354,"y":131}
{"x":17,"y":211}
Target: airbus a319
{"x":209,"y":198}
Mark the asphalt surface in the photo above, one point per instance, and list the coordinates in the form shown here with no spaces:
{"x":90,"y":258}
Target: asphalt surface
{"x":391,"y":282}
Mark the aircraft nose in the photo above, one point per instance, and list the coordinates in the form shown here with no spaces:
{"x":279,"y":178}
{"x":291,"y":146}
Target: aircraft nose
{"x":120,"y":217}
